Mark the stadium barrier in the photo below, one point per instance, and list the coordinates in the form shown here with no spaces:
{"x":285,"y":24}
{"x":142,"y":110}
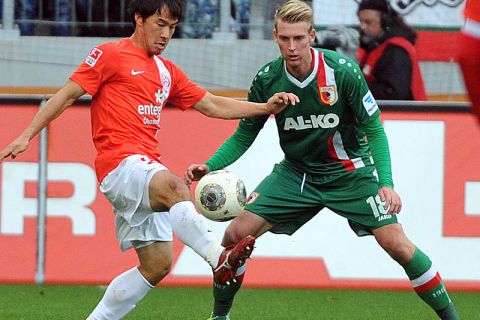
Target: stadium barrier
{"x":435,"y":159}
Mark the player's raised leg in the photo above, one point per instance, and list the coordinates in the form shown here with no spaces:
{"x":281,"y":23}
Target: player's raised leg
{"x":423,"y":275}
{"x":141,"y":192}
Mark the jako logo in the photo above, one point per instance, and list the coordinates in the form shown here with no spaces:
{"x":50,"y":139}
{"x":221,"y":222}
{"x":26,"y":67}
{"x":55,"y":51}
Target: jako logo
{"x":329,"y":120}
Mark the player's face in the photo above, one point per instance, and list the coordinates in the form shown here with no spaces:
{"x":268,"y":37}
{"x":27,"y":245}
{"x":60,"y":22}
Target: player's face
{"x":294,"y":40}
{"x":370,"y":22}
{"x":156,"y":31}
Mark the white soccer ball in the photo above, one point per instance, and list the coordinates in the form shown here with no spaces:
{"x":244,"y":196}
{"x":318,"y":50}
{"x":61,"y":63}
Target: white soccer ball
{"x":220,"y":195}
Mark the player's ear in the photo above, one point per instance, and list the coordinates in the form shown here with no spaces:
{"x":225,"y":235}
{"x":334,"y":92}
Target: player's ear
{"x":138,"y":19}
{"x":275,"y":34}
{"x":313,"y":35}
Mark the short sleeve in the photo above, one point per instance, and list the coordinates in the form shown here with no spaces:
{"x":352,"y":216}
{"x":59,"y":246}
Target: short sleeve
{"x":96,"y":69}
{"x":185,"y":93}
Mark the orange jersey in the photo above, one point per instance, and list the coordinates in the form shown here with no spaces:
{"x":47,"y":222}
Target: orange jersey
{"x":472,"y":10}
{"x":129,"y":90}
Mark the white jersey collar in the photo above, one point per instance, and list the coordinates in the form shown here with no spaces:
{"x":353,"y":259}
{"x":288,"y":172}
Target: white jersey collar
{"x":312,"y":75}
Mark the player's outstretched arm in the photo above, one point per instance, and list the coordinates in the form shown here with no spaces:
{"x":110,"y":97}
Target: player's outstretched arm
{"x":229,"y":152}
{"x":226,"y":108}
{"x":54,"y":107}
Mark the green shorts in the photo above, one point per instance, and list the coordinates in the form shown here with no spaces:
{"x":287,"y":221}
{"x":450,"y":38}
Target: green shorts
{"x":289,"y":197}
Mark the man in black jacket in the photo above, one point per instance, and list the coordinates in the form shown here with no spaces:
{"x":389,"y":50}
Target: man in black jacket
{"x":387,"y":56}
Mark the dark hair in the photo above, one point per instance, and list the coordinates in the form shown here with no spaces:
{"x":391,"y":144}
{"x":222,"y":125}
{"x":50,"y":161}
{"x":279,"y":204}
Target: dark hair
{"x":378,"y":5}
{"x":146,"y":8}
{"x":388,"y":16}
{"x":400,"y":23}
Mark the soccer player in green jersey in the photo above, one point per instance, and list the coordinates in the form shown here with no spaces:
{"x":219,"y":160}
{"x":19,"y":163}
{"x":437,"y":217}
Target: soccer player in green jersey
{"x":334,"y":144}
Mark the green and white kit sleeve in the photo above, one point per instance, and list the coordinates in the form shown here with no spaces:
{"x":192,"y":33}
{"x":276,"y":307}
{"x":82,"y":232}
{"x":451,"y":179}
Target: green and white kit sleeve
{"x":232,"y":149}
{"x":377,"y":140}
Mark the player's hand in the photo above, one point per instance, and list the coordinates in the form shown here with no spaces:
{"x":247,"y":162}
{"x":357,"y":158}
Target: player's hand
{"x":13,"y":149}
{"x":194,"y":173}
{"x":280,"y":101}
{"x":392,"y":200}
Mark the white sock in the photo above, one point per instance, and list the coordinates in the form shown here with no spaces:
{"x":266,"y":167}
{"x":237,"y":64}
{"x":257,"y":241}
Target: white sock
{"x":192,"y":229}
{"x":121,"y":296}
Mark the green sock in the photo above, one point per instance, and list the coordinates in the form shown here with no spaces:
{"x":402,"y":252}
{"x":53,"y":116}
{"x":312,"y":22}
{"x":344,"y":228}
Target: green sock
{"x":448,"y":313}
{"x":428,"y":284}
{"x":224,"y":294}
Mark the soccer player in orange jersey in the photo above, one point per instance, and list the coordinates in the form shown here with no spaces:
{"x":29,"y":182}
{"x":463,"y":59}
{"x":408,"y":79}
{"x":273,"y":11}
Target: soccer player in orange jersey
{"x":469,"y":53}
{"x":131,"y":83}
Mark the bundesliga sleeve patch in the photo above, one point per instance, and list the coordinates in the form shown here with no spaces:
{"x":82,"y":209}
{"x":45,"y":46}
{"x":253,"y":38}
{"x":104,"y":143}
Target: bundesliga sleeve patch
{"x":369,"y":103}
{"x":93,"y":57}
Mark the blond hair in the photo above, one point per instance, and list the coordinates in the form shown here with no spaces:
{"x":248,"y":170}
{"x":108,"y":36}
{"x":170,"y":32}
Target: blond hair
{"x":294,"y":11}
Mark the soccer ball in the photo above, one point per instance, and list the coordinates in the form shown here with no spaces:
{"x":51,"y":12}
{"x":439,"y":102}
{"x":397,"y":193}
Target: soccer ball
{"x":220,"y":195}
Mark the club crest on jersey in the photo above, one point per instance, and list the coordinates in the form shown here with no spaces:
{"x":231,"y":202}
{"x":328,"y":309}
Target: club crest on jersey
{"x":252,"y":197}
{"x":328,"y":94}
{"x":165,"y":80}
{"x":93,"y":57}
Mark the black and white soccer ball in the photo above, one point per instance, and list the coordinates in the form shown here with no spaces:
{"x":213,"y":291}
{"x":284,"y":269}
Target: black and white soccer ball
{"x":220,"y":195}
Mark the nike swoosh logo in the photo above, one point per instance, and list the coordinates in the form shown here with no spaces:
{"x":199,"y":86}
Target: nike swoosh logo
{"x":134,"y":73}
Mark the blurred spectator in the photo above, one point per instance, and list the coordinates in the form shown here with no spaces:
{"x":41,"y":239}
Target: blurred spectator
{"x":469,"y":53}
{"x":28,"y":10}
{"x":240,"y":10}
{"x":105,"y":13}
{"x":201,"y":19}
{"x":387,"y":56}
{"x":339,"y":38}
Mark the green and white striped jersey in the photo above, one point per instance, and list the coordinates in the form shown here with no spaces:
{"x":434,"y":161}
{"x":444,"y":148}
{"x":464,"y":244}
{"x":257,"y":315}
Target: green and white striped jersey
{"x":322,"y":133}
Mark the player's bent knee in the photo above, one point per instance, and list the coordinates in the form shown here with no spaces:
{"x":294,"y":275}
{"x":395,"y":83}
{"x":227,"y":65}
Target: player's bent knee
{"x":166,"y":189}
{"x":178,"y":187}
{"x":393,"y":240}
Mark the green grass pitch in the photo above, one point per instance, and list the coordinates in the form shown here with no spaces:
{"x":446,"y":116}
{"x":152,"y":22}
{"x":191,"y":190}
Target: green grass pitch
{"x":33,"y":302}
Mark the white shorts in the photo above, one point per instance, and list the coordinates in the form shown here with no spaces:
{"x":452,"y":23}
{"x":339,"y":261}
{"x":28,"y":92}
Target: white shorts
{"x":126,"y":187}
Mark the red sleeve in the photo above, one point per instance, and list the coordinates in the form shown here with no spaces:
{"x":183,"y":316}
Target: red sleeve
{"x":185,"y":93}
{"x":472,"y":10}
{"x":96,"y":69}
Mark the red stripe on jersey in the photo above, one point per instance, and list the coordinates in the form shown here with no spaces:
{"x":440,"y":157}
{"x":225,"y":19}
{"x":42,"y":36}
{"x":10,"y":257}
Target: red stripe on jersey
{"x":321,"y":76}
{"x":347,"y":164}
{"x":432,"y":283}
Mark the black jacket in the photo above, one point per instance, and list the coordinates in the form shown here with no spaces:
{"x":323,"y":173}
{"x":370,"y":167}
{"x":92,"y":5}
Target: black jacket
{"x":393,"y":71}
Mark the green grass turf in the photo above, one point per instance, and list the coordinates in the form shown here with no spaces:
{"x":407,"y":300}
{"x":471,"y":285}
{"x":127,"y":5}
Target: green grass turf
{"x":75,"y":302}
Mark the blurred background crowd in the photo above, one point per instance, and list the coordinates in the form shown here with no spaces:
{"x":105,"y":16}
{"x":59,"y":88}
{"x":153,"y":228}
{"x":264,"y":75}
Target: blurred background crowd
{"x":411,"y":64}
{"x":108,"y":18}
